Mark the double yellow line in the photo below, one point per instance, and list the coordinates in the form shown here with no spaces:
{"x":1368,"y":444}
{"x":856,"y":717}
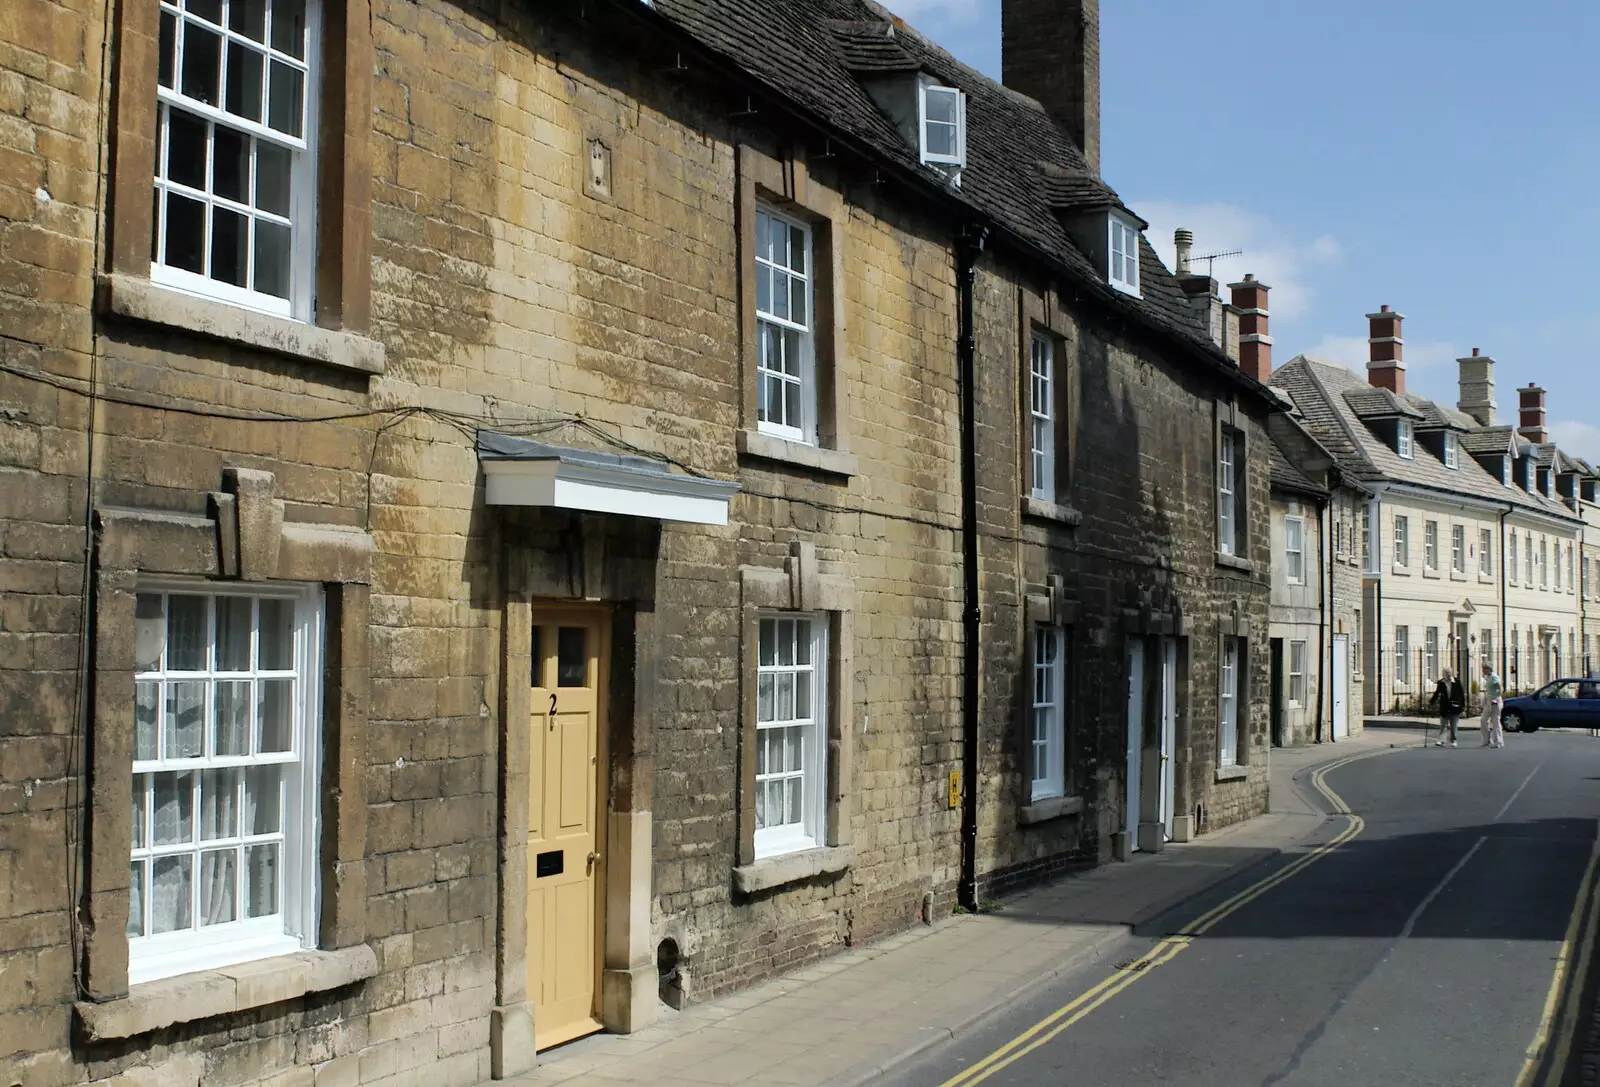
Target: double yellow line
{"x":1574,"y":956}
{"x":1052,"y":1025}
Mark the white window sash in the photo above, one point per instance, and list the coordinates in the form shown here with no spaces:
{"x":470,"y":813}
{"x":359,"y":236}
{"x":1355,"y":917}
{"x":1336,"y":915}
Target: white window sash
{"x":1042,"y":396}
{"x":1294,"y":530}
{"x":168,"y":954}
{"x":806,"y":431}
{"x":1228,"y":705}
{"x":1297,"y":673}
{"x":1048,"y":752}
{"x":923,"y":122}
{"x":810,"y":831}
{"x":1226,"y":482}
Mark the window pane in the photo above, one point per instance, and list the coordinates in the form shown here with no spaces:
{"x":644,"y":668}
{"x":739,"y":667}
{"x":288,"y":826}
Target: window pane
{"x":186,"y":633}
{"x":186,"y":149}
{"x":248,"y":17}
{"x":186,"y":715}
{"x":218,"y":886}
{"x":941,"y":139}
{"x":229,"y":247}
{"x":263,"y":804}
{"x":763,"y":288}
{"x":168,"y":48}
{"x":941,"y":106}
{"x":797,"y":249}
{"x":764,"y":698}
{"x":202,"y":64}
{"x":791,"y":404}
{"x":272,"y":259}
{"x":244,"y":81}
{"x":799,"y":311}
{"x":289,"y":27}
{"x":277,"y":635}
{"x":778,"y":298}
{"x":785,"y":700}
{"x":768,"y":640}
{"x":261,"y":880}
{"x":284,"y":98}
{"x":762,"y":790}
{"x":793,"y":810}
{"x":172,"y":821}
{"x":141,"y":784}
{"x":219,"y":804}
{"x":572,"y":657}
{"x":233,"y":633}
{"x":146,"y":707}
{"x":136,"y":899}
{"x":793,"y":755}
{"x":169,"y":894}
{"x":232,"y":718}
{"x":276,"y":700}
{"x":209,"y":10}
{"x":186,"y":233}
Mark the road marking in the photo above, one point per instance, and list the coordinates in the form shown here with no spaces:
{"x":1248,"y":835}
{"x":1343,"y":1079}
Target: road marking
{"x":1518,"y":793}
{"x":1167,"y":949}
{"x":1411,"y":922}
{"x":1532,"y":1058}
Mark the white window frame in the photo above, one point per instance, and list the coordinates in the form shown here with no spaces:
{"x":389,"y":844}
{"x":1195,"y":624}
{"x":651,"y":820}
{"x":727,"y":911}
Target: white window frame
{"x":294,"y":928}
{"x":302,"y":218}
{"x":1297,"y":674}
{"x":809,"y":831}
{"x":1294,"y":549}
{"x":1042,"y":415}
{"x":1228,"y":701}
{"x":1486,"y":552}
{"x":1122,"y":254}
{"x":1405,"y":440}
{"x":1430,"y":545}
{"x":1402,"y":540}
{"x":1402,"y":654}
{"x":1430,"y":652}
{"x":1505,"y":471}
{"x":1458,"y":548}
{"x":769,"y":323}
{"x":1528,"y":559}
{"x":1557,"y":565}
{"x":1513,"y":567}
{"x":1452,"y":458}
{"x":1230,"y":478}
{"x":1046,"y":722}
{"x":925,"y":88}
{"x":1371,"y":520}
{"x":1544,"y":563}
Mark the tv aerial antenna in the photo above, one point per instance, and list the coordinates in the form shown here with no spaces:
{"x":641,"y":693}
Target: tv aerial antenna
{"x":1212,"y":258}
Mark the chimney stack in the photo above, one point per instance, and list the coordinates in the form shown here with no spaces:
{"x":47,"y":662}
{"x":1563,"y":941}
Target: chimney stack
{"x":1255,"y":345}
{"x":1050,"y":51}
{"x":1385,"y":366}
{"x":1183,"y":242}
{"x":1477,"y":387}
{"x":1531,"y":424}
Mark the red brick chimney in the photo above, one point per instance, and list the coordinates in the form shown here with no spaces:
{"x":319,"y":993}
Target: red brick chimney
{"x":1255,"y":345}
{"x":1050,"y":51}
{"x":1531,"y":424}
{"x":1385,"y":366}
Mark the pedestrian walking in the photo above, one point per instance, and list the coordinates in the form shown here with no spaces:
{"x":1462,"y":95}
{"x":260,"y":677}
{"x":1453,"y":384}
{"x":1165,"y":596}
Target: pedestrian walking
{"x":1451,"y":699}
{"x":1492,"y":701}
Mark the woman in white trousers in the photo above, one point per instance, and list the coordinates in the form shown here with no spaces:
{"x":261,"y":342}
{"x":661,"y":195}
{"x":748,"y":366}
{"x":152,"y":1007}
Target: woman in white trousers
{"x":1492,"y":701}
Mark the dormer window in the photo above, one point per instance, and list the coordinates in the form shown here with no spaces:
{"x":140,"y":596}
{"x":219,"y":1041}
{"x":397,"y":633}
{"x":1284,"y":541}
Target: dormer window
{"x":1452,"y":458}
{"x":942,"y":121}
{"x":1505,"y":471}
{"x":1405,"y":439}
{"x":1123,"y":246}
{"x":1527,"y":476}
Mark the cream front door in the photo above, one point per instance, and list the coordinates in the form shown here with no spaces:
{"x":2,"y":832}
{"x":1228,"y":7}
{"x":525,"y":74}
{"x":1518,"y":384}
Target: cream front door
{"x":565,"y":816}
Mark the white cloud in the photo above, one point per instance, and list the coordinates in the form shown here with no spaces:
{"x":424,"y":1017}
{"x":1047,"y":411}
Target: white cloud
{"x":1578,"y":438}
{"x":1284,"y":263}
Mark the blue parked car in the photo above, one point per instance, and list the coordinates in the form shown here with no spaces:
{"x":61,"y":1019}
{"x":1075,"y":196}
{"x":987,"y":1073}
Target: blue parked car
{"x":1566,"y":703}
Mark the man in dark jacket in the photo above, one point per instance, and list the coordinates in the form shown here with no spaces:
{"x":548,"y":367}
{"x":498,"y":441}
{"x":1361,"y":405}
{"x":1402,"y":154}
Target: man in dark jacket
{"x":1451,"y":699}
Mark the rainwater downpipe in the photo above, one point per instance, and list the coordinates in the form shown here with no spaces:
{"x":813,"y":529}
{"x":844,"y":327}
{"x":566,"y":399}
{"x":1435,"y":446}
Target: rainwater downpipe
{"x":1324,"y":643}
{"x":1505,"y":650}
{"x":969,"y":247}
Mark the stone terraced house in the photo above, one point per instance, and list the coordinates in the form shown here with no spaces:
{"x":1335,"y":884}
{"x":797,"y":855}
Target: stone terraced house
{"x":514,"y":514}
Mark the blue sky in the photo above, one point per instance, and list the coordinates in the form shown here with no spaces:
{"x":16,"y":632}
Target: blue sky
{"x":1440,"y":156}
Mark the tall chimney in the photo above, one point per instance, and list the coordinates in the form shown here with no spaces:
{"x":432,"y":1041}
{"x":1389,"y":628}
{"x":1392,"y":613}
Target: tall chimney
{"x":1050,"y":51}
{"x":1531,"y":424}
{"x":1255,"y":346}
{"x":1385,"y":366}
{"x":1183,"y":242}
{"x":1477,"y":387}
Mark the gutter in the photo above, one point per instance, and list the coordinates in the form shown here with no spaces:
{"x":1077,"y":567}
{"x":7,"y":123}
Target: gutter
{"x":969,"y":247}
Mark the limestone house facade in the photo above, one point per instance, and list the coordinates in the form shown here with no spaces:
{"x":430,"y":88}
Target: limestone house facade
{"x":1315,"y":694}
{"x":1469,"y":551}
{"x":511,"y":517}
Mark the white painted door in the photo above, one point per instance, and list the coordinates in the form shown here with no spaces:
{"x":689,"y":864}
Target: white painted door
{"x":1135,"y":737}
{"x":1341,"y":686}
{"x":1169,"y":727}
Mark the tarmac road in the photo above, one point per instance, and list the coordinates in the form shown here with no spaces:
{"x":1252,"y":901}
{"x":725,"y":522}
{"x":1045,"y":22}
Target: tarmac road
{"x":1425,"y":948}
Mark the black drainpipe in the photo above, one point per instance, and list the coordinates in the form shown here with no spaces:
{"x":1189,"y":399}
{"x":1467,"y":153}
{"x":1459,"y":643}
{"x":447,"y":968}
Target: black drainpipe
{"x":1325,"y":510}
{"x":969,"y":247}
{"x":1505,"y":650}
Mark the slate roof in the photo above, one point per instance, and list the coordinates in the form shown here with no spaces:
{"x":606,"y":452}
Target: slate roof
{"x":1286,"y":476}
{"x":1371,"y":402}
{"x":803,"y":52}
{"x":1323,"y":393}
{"x":1489,"y":441}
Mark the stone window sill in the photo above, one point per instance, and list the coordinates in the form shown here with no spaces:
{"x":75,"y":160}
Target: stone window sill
{"x":1232,"y":773}
{"x":1055,"y":807}
{"x":1431,"y":575}
{"x":1398,"y":569}
{"x":1234,"y":562}
{"x":770,"y":872}
{"x":141,"y":300}
{"x":1051,"y":511}
{"x":207,"y":993}
{"x":1457,"y":575}
{"x":833,"y":462}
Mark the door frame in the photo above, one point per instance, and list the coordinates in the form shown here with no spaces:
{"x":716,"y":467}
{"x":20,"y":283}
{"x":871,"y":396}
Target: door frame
{"x":1136,"y":677}
{"x":1278,"y":705}
{"x":597,"y":617}
{"x":1166,"y":797}
{"x":1339,"y":726}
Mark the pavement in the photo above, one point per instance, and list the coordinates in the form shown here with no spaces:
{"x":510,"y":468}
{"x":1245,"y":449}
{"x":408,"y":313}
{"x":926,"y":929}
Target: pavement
{"x":858,"y":1015}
